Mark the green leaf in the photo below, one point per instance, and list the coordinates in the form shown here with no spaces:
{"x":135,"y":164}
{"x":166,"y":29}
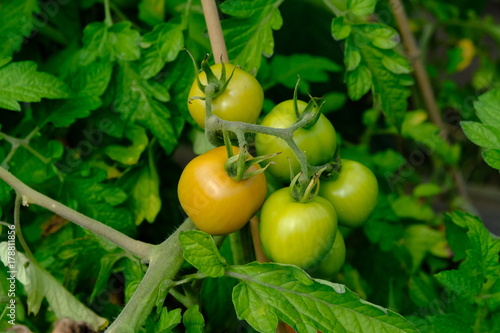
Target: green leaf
{"x":87,"y":85}
{"x":193,"y":320}
{"x":492,"y":157}
{"x":422,"y":289}
{"x":143,"y":184}
{"x":21,"y":82}
{"x":118,"y":42}
{"x":217,"y":303}
{"x":285,"y":70}
{"x":201,"y":252}
{"x":168,"y":320}
{"x":249,"y":31}
{"x":397,"y":65}
{"x":460,"y":283}
{"x":340,"y":29}
{"x":136,"y":101}
{"x":488,"y":107}
{"x":152,"y":12}
{"x":426,"y":190}
{"x":90,"y":195}
{"x":352,"y":59}
{"x":411,"y":208}
{"x":361,"y":7}
{"x":359,"y":82}
{"x":486,"y":136}
{"x":129,"y":155}
{"x":269,"y":293}
{"x":108,"y":261}
{"x":419,"y":239}
{"x":161,"y":45}
{"x":39,"y":284}
{"x":429,"y":135}
{"x":381,"y":36}
{"x":374,"y":42}
{"x":456,"y":233}
{"x":17,"y":17}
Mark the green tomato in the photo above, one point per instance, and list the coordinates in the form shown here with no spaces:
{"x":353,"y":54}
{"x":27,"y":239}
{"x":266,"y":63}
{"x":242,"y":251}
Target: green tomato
{"x":318,"y":142}
{"x":353,"y":193}
{"x":332,"y":263}
{"x":297,"y":233}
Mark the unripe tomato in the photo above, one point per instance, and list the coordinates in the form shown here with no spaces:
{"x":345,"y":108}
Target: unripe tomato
{"x":241,"y":101}
{"x":297,"y":233}
{"x":353,"y":193}
{"x":332,"y":263}
{"x":215,"y":202}
{"x":318,"y":142}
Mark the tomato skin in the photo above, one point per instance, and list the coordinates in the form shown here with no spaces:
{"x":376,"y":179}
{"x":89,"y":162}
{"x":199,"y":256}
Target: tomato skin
{"x":332,"y":263}
{"x":318,"y":142}
{"x":353,"y":193}
{"x":296,"y":233}
{"x":241,"y":101}
{"x":215,"y":202}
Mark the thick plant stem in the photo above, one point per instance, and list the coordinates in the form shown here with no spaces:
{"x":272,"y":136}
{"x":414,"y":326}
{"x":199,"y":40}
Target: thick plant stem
{"x":415,"y":59}
{"x":166,"y":260}
{"x":424,"y":84}
{"x":215,"y":31}
{"x":30,"y":196}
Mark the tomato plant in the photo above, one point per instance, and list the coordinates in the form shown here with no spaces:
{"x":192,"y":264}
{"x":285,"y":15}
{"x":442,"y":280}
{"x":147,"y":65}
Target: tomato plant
{"x":294,"y":232}
{"x":96,"y":129}
{"x":215,"y":202}
{"x":353,"y":192}
{"x":318,"y":142}
{"x":241,"y":100}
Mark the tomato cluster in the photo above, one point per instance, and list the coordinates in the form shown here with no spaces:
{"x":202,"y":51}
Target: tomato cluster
{"x":299,"y":231}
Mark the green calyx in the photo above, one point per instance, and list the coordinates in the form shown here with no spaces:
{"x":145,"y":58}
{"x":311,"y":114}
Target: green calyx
{"x":301,"y":194}
{"x":237,"y":166}
{"x":218,"y":84}
{"x":311,"y":113}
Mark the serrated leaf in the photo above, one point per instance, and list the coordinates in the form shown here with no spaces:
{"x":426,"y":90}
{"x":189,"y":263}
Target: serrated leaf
{"x":340,"y":30}
{"x":201,"y":252}
{"x":397,"y":65}
{"x":108,"y":261}
{"x":193,"y":320}
{"x":129,"y":155}
{"x":39,"y":284}
{"x":286,"y":70}
{"x":422,"y":289}
{"x":152,"y":12}
{"x":168,"y":320}
{"x":486,"y":136}
{"x":488,"y":107}
{"x":361,"y":7}
{"x":143,"y":184}
{"x":17,"y":17}
{"x":390,"y":91}
{"x":249,"y":31}
{"x":21,"y":82}
{"x":352,"y":59}
{"x":87,"y":84}
{"x":269,"y":293}
{"x":492,"y":157}
{"x":419,"y":239}
{"x":460,"y":283}
{"x":383,"y":37}
{"x":161,"y":45}
{"x":135,"y":101}
{"x":117,"y":42}
{"x":359,"y":82}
